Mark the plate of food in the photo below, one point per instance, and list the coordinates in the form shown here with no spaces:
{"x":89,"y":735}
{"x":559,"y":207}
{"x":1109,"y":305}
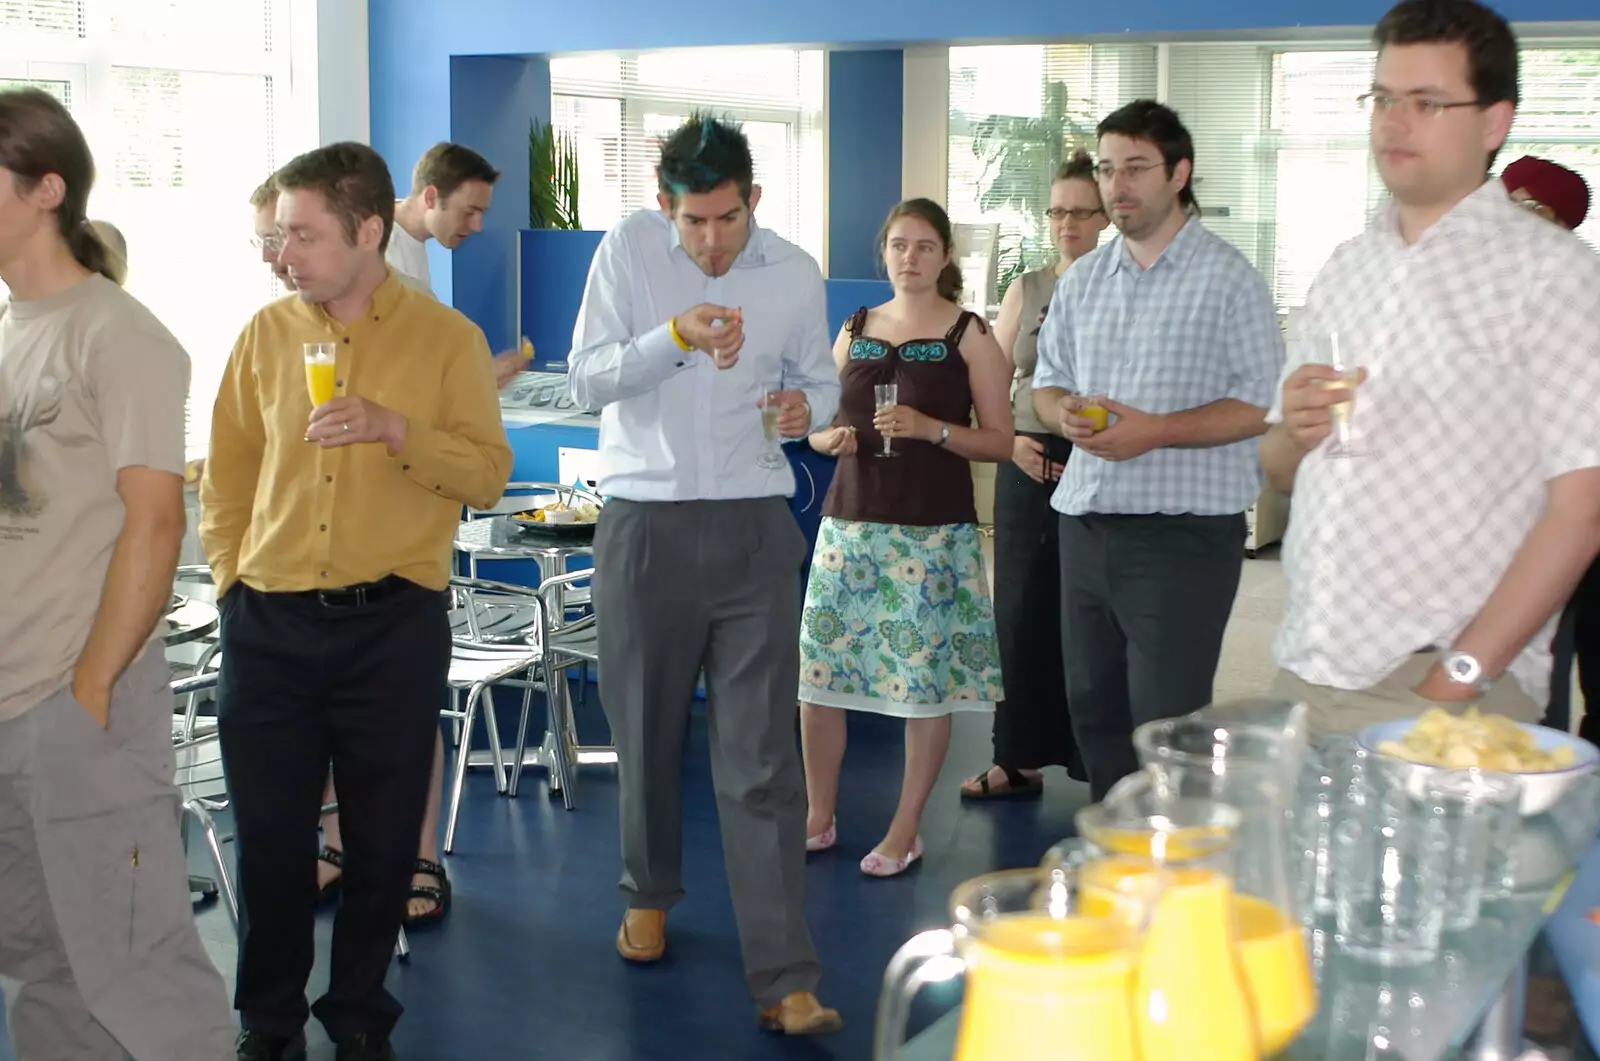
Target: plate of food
{"x":573,"y":516}
{"x":1547,"y":761}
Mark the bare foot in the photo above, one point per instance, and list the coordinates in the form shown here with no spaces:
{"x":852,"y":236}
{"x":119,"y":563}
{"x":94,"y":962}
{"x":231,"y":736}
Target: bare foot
{"x":422,"y":906}
{"x":817,"y":826}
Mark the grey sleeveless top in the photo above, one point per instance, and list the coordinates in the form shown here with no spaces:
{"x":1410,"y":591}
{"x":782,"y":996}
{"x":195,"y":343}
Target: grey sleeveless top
{"x":1036,"y":289}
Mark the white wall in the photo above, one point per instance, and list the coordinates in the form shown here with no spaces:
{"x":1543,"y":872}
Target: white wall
{"x":332,"y":88}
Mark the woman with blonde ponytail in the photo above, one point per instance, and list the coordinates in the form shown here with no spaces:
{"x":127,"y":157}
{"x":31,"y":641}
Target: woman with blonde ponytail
{"x":897,"y":616}
{"x":94,"y":899}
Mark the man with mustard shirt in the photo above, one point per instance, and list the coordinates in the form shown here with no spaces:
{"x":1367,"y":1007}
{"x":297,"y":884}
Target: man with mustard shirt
{"x":328,"y":532}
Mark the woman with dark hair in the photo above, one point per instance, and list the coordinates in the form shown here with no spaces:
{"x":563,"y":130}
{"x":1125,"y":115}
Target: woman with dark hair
{"x":897,"y":616}
{"x":1032,"y":728}
{"x":95,"y":919}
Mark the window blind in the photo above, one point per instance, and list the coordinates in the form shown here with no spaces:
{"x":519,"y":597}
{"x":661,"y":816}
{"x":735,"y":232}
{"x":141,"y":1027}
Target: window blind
{"x":184,"y":103}
{"x":1016,"y":111}
{"x":618,"y":107}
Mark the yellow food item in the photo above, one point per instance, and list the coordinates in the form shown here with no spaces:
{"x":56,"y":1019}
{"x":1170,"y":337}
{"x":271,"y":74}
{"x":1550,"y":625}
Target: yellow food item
{"x":527,"y":349}
{"x":1487,"y":742}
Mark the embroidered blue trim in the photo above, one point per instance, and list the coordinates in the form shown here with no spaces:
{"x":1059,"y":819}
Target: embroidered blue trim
{"x":868,"y":350}
{"x":935,"y":351}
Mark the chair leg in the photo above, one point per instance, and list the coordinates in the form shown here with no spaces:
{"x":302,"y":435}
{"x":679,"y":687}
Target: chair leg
{"x":463,"y":752}
{"x":208,"y":828}
{"x":559,"y":711}
{"x":496,"y":749}
{"x":522,"y":734}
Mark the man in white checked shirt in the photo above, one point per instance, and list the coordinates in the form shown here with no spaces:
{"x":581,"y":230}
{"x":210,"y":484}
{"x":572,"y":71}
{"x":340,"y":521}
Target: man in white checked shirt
{"x":1427,"y":567}
{"x":1177,"y":328}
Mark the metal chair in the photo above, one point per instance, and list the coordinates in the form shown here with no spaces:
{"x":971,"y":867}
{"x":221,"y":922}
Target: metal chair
{"x":203,"y":787}
{"x":504,"y":628}
{"x":210,"y":659}
{"x":570,"y":641}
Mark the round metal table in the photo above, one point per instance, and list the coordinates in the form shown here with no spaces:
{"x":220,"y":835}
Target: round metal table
{"x":190,"y":620}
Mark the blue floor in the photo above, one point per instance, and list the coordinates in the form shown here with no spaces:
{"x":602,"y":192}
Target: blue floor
{"x":525,"y":965}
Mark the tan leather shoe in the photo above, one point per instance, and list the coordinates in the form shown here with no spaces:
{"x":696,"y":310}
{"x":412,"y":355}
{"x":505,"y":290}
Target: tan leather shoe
{"x":643,"y":935}
{"x":800,"y":1014}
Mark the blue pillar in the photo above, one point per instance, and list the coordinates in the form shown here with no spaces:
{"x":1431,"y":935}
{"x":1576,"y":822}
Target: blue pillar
{"x":866,"y":91}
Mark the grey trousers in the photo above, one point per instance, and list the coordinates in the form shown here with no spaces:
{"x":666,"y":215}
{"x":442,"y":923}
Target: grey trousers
{"x":685,"y":586}
{"x":97,"y":935}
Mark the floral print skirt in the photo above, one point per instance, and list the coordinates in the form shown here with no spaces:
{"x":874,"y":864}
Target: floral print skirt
{"x":898,"y":620}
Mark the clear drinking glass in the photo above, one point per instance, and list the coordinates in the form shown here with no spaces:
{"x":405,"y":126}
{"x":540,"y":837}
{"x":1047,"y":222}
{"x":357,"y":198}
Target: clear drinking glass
{"x":1472,"y":806}
{"x":1391,"y":871}
{"x":1346,"y":440}
{"x":771,"y":409}
{"x":1332,"y":785}
{"x":886,"y":396}
{"x":321,"y":372}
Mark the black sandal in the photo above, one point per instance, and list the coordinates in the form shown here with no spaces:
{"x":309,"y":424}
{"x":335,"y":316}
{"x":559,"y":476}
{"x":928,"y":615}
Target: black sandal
{"x":439,"y":896}
{"x":335,"y":858}
{"x":1018,"y":786}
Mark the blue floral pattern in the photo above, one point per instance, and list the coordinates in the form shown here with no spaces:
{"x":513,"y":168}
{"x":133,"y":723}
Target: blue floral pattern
{"x":898,"y":620}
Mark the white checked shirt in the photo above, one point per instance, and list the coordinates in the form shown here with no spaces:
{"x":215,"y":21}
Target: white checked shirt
{"x":1196,"y":327}
{"x":673,"y":426}
{"x":1482,"y":346}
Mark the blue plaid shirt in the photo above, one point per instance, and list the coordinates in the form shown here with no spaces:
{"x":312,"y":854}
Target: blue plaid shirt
{"x":1196,"y":327}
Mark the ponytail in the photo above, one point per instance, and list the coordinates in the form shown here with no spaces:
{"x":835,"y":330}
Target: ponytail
{"x":91,"y":251}
{"x":949,"y":283}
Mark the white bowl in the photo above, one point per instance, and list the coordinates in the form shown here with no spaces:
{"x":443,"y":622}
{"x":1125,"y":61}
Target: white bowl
{"x":1541,"y":789}
{"x":559,"y":515}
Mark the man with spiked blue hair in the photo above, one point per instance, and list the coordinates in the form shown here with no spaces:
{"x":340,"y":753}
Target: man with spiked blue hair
{"x":697,"y":326}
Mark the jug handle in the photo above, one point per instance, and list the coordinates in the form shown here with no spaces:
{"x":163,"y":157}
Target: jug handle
{"x":926,"y":958}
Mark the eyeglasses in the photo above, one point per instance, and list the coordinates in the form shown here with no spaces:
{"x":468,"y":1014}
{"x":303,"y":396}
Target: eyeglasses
{"x":1412,"y":106}
{"x":1135,"y":170}
{"x":271,"y":244}
{"x":1081,"y":213}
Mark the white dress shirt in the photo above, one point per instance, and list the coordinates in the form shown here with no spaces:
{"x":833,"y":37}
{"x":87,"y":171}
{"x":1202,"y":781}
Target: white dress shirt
{"x":1482,"y":346}
{"x":674,"y":427}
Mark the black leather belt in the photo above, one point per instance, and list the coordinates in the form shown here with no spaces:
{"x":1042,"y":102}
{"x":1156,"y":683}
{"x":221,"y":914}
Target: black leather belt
{"x":359,"y":595}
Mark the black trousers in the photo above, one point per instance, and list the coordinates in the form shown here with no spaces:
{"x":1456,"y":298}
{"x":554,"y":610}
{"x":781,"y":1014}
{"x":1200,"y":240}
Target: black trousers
{"x":304,"y":683}
{"x":1144,"y":603}
{"x":1032,"y":727}
{"x":1586,"y":649}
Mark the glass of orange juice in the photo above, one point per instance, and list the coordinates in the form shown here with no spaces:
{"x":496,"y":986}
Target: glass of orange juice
{"x":1092,"y":408}
{"x":1040,"y":968}
{"x":321,"y":372}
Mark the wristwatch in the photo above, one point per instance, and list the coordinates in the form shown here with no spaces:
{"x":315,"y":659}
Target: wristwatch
{"x":944,"y":435}
{"x":1463,"y":669}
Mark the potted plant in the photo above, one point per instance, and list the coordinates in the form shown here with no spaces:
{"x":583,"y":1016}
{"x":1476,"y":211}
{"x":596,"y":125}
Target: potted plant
{"x":552,"y":178}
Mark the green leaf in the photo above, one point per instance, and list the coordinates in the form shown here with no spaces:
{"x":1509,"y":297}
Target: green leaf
{"x":552,"y":178}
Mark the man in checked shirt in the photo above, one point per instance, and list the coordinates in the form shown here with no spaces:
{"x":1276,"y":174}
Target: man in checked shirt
{"x":1179,"y":330}
{"x":1428,"y":565}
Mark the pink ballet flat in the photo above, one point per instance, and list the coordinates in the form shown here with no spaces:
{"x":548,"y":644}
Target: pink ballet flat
{"x":877,"y":864}
{"x":825,"y":839}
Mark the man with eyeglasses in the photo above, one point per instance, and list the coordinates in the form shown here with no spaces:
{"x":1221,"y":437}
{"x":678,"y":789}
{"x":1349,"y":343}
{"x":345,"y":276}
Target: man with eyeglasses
{"x":1177,"y":327}
{"x":264,"y":210}
{"x":1425,"y":563}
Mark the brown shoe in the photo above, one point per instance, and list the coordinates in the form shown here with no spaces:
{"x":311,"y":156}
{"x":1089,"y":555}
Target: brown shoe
{"x":800,"y":1014}
{"x":643,"y":935}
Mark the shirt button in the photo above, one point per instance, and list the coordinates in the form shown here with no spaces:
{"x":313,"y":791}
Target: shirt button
{"x":323,"y":527}
{"x":327,"y":478}
{"x":405,"y":467}
{"x":347,"y":340}
{"x":322,"y":574}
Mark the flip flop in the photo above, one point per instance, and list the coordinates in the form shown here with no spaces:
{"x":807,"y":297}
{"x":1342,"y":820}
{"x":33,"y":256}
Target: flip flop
{"x":335,"y":858}
{"x":1018,"y":786}
{"x":439,"y":896}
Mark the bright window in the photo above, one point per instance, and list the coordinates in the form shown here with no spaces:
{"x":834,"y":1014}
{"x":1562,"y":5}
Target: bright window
{"x":619,"y":107}
{"x":1282,"y":167}
{"x":186,"y":106}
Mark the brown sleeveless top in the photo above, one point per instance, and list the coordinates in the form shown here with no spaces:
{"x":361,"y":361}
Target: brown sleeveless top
{"x":927,"y":485}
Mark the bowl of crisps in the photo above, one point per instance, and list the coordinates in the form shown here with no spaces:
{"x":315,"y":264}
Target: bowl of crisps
{"x":1547,"y":761}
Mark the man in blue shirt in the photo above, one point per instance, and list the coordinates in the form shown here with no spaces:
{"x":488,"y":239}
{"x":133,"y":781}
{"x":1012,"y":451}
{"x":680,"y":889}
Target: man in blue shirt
{"x":1173,"y":334}
{"x":691,"y":314}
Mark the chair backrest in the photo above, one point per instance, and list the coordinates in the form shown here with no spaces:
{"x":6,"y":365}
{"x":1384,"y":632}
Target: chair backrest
{"x":496,"y":614}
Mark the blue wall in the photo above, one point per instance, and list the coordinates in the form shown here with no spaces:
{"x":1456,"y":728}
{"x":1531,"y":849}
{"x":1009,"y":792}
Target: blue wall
{"x":412,"y":42}
{"x":866,"y":94}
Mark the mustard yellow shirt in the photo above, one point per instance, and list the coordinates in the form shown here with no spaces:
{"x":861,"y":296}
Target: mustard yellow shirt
{"x":285,"y":515}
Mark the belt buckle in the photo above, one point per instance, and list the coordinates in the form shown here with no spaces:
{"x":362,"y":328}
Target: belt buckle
{"x":353,"y":597}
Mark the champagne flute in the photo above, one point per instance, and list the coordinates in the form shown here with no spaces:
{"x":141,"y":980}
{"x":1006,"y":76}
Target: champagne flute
{"x":885,"y":397}
{"x":1346,"y":440}
{"x":321,"y":372}
{"x":771,"y":409}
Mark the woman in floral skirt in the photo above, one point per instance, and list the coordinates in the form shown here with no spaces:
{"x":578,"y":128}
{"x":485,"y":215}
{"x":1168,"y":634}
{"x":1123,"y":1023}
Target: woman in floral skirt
{"x":898,"y":618}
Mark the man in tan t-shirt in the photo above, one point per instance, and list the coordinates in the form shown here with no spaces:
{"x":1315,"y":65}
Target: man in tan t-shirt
{"x":95,"y":919}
